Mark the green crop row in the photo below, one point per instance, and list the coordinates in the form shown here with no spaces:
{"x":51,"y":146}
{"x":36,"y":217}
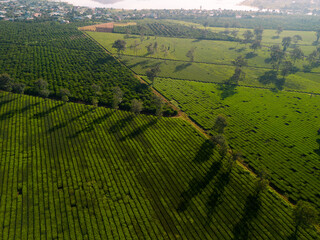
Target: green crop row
{"x":276,"y":130}
{"x":73,"y":171}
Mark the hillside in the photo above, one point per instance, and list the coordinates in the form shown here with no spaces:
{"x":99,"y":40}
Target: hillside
{"x":285,"y":4}
{"x":72,"y":171}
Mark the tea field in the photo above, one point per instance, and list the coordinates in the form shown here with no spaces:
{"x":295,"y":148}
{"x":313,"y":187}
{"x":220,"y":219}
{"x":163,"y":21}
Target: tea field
{"x":277,"y":130}
{"x":72,"y":171}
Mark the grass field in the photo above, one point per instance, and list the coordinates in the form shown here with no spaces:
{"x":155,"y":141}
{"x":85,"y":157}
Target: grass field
{"x":273,"y":129}
{"x":212,"y":60}
{"x":70,"y":171}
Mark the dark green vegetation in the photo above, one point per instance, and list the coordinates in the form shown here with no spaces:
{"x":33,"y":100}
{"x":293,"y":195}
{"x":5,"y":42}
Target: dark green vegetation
{"x":72,"y":171}
{"x":274,"y":120}
{"x":275,"y":130}
{"x":66,"y":58}
{"x":168,"y":29}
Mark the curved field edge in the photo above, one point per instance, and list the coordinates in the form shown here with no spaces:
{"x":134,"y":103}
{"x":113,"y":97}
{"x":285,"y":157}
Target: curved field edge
{"x":73,"y":171}
{"x":276,"y":130}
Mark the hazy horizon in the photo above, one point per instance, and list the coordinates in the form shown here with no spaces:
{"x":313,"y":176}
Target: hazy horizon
{"x":164,"y":4}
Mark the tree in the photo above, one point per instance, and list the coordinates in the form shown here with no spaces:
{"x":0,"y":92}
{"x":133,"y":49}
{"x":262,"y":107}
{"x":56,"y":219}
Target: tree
{"x":234,"y":156}
{"x":220,"y":124}
{"x":150,"y":49}
{"x":136,"y":106}
{"x":41,"y":88}
{"x":286,"y":41}
{"x":255,"y":45}
{"x":287,"y":68}
{"x":276,"y":56}
{"x":18,"y":87}
{"x":240,"y":62}
{"x":159,"y":103}
{"x":120,"y":45}
{"x":96,"y":89}
{"x":155,"y":46}
{"x":117,"y":97}
{"x":262,"y":182}
{"x":296,"y":39}
{"x":190,"y":54}
{"x":248,"y":36}
{"x":234,"y":33}
{"x":304,"y":214}
{"x":258,"y":33}
{"x":94,"y":101}
{"x":65,"y":94}
{"x":279,"y":30}
{"x":153,"y":73}
{"x":296,"y":54}
{"x":6,"y":82}
{"x":238,"y":75}
{"x":317,"y":35}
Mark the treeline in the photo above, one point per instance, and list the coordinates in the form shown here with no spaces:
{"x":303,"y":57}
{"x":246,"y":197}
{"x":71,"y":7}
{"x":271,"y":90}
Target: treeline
{"x":166,"y":29}
{"x":64,"y":58}
{"x":287,"y":22}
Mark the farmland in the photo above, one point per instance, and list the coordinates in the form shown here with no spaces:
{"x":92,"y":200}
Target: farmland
{"x":65,"y":58}
{"x":73,"y":171}
{"x":274,"y":129}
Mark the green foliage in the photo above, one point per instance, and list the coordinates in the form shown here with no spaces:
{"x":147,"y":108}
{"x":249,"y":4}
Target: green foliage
{"x":65,"y":58}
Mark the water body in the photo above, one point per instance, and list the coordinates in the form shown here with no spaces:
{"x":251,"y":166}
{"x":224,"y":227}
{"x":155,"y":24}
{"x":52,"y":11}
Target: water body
{"x":162,"y":4}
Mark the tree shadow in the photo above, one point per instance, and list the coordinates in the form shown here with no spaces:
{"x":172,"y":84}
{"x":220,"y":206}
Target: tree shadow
{"x":90,"y":127}
{"x":140,"y":130}
{"x":11,"y":113}
{"x":196,"y":185}
{"x":317,"y":151}
{"x":121,"y":124}
{"x":250,"y":55}
{"x":271,"y":77}
{"x":227,"y":90}
{"x":275,"y":37}
{"x":251,"y":209}
{"x":240,"y":49}
{"x":143,"y":63}
{"x":205,"y":152}
{"x":7,"y":101}
{"x":66,"y":123}
{"x":46,"y":113}
{"x":218,"y":190}
{"x":182,"y":67}
{"x":104,"y":60}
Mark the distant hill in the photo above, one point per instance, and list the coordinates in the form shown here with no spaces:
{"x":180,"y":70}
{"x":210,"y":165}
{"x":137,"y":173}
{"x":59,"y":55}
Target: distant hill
{"x":284,"y":4}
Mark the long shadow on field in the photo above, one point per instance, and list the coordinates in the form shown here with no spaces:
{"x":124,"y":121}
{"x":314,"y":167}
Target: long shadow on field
{"x":205,"y":152}
{"x":182,"y":67}
{"x":317,"y":151}
{"x":91,"y":125}
{"x":251,"y":209}
{"x":7,"y":101}
{"x":46,"y":113}
{"x":121,"y":124}
{"x":143,"y":63}
{"x":196,"y":185}
{"x":218,"y":190}
{"x":140,"y":130}
{"x":227,"y":90}
{"x":66,"y":123}
{"x":11,"y":113}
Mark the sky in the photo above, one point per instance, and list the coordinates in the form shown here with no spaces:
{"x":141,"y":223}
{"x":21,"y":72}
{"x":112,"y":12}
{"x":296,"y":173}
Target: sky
{"x":162,"y":4}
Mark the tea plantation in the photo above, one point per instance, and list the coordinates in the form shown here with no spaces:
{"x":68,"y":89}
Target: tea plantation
{"x":71,"y":171}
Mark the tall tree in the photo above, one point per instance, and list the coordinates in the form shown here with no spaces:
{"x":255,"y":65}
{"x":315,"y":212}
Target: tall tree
{"x":286,"y":41}
{"x":120,"y":45}
{"x":317,"y":35}
{"x":136,"y":106}
{"x":159,"y":103}
{"x":190,"y":54}
{"x":220,"y":124}
{"x":6,"y":82}
{"x":296,"y":39}
{"x":117,"y":97}
{"x":65,"y":94}
{"x":248,"y":36}
{"x":296,"y":54}
{"x":153,"y":73}
{"x":279,"y":30}
{"x":304,"y":215}
{"x":276,"y":56}
{"x":41,"y":88}
{"x":255,"y":45}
